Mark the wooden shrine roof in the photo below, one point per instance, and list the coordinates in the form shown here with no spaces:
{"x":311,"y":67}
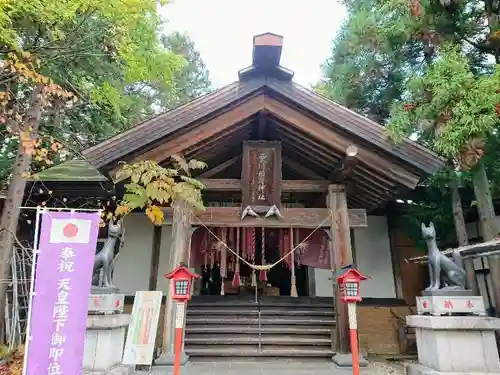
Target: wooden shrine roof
{"x":156,"y":130}
{"x":72,"y":171}
{"x":265,"y":104}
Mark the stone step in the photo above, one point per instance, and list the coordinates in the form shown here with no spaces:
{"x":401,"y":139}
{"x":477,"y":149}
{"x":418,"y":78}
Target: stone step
{"x":252,"y":305}
{"x":280,"y":329}
{"x":269,"y":360}
{"x":235,"y":301}
{"x":253,"y":351}
{"x":222,"y":311}
{"x":255,"y":311}
{"x":283,"y":320}
{"x":265,"y":339}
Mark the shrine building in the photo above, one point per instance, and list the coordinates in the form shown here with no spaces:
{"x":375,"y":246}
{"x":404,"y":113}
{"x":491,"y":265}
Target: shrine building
{"x":296,"y":184}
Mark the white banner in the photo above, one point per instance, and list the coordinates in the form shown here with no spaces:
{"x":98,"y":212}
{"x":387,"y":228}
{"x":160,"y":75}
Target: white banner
{"x":141,"y":336}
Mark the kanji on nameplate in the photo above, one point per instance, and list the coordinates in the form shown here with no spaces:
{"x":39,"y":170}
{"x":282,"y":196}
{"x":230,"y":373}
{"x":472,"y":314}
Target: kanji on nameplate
{"x":450,"y":305}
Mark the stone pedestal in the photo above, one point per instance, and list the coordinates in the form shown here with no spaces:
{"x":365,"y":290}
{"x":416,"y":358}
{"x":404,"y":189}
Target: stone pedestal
{"x":455,"y":345}
{"x":104,"y":342}
{"x":450,"y":302}
{"x":105,"y":301}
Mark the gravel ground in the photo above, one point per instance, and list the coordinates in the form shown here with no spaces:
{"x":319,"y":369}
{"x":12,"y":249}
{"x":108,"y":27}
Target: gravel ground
{"x":225,"y":368}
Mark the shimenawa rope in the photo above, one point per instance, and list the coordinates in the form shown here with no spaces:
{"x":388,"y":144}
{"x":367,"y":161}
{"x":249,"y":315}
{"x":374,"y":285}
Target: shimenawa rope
{"x":263,"y":267}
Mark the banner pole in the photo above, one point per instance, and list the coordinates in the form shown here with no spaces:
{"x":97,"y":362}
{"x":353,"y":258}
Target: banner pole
{"x":32,"y":287}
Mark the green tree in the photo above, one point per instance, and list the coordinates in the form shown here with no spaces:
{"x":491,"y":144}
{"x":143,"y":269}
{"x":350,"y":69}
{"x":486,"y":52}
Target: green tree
{"x":457,"y":113}
{"x":192,"y":80}
{"x":69,"y":76}
{"x":384,"y":45}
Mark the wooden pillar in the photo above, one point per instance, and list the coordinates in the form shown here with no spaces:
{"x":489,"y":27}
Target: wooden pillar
{"x":336,"y":201}
{"x":155,"y":258}
{"x":178,"y":254}
{"x":342,"y":251}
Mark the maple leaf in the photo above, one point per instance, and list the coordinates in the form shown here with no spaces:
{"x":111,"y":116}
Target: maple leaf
{"x":155,"y":214}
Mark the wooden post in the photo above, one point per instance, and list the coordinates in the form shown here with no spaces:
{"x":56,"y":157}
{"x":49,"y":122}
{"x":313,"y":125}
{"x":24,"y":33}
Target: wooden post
{"x":178,"y":254}
{"x":336,"y":201}
{"x":341,"y":241}
{"x":155,"y":258}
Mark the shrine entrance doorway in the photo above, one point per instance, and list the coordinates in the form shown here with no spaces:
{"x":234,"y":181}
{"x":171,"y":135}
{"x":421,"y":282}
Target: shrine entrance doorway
{"x":276,"y":282}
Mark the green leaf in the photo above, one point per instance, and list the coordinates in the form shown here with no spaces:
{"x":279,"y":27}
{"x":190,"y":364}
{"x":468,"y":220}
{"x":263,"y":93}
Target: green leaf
{"x":135,"y":201}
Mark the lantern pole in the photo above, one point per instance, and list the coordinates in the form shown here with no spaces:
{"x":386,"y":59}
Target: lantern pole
{"x":353,"y":331}
{"x":181,"y":288}
{"x":179,"y":327}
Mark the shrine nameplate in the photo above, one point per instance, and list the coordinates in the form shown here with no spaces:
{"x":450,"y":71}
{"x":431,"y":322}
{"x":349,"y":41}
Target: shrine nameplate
{"x":261,"y":174}
{"x":454,"y":305}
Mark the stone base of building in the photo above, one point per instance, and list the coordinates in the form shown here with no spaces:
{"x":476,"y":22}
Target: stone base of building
{"x":455,"y":345}
{"x":118,"y":370}
{"x":418,"y":369}
{"x":167,"y":359}
{"x":345,"y":360}
{"x":104,"y":342}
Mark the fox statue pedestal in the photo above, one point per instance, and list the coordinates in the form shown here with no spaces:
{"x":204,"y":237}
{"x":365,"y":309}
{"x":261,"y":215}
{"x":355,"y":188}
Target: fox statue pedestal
{"x":105,"y":335}
{"x":104,"y":341}
{"x":455,"y":345}
{"x":448,"y":301}
{"x":462,"y":342}
{"x":106,"y":323}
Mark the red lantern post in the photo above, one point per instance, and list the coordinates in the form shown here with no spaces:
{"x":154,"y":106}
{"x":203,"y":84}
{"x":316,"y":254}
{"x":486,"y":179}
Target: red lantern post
{"x":181,"y":282}
{"x":348,"y":283}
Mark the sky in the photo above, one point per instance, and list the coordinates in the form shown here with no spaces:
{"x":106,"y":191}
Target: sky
{"x":222,"y":31}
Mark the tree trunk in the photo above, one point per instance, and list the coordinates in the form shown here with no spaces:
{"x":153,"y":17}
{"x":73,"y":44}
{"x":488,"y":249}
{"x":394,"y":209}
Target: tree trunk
{"x":461,"y":229}
{"x":488,"y":225}
{"x":14,"y":199}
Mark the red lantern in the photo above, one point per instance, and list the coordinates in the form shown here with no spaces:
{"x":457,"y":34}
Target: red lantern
{"x":182,"y":279}
{"x":349,"y":285}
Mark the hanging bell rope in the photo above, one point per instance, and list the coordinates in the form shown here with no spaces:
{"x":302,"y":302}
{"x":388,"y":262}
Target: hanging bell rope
{"x":293,"y":283}
{"x":263,"y":273}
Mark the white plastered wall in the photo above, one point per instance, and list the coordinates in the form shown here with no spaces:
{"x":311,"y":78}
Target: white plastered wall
{"x":371,"y":245}
{"x":373,"y":257}
{"x":133,"y":265}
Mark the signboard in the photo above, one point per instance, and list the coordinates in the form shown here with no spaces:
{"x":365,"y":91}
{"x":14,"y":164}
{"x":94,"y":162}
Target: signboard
{"x":62,"y":286}
{"x":141,"y":336}
{"x":261,"y":174}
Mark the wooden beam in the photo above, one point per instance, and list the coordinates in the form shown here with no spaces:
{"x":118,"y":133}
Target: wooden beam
{"x":262,"y":126}
{"x":208,"y":129}
{"x":300,"y":169}
{"x":287,"y":186}
{"x":219,"y":143}
{"x":339,"y":142}
{"x":293,"y":217}
{"x":310,"y":186}
{"x":221,"y":167}
{"x":155,"y":258}
{"x":327,"y":153}
{"x":346,"y":165}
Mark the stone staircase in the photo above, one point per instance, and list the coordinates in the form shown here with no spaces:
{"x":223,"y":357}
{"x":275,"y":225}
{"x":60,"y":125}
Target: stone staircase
{"x":230,"y":327}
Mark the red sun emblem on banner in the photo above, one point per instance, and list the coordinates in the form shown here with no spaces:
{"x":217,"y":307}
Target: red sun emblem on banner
{"x":70,"y":230}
